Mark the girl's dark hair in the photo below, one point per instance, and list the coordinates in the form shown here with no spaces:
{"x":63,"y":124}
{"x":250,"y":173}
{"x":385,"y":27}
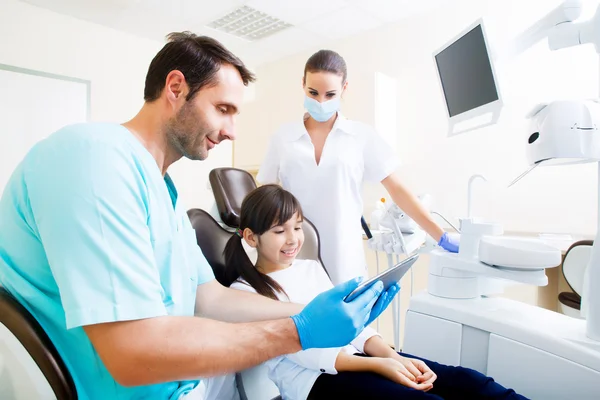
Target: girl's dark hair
{"x":326,"y":61}
{"x":263,"y":208}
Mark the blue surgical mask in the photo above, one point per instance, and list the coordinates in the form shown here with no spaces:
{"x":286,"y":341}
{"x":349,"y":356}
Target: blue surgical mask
{"x":321,"y":111}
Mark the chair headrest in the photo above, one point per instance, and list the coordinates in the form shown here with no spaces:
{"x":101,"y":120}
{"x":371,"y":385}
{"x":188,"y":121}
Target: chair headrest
{"x":311,"y":249}
{"x":230,"y":186}
{"x":211,"y":238}
{"x":575,"y":263}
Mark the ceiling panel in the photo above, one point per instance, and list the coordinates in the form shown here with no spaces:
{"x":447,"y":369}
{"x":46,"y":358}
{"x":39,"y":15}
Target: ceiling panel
{"x":297,"y":11}
{"x":288,"y":42}
{"x":344,"y":22}
{"x":168,"y":10}
{"x":317,"y":22}
{"x":148,"y":24}
{"x":204,"y":12}
{"x":394,"y":10}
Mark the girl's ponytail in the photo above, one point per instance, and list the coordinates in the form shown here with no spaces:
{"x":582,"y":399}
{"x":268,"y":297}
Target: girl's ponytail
{"x":237,"y":264}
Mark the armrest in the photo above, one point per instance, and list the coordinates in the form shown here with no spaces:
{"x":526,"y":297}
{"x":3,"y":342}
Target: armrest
{"x":254,"y":384}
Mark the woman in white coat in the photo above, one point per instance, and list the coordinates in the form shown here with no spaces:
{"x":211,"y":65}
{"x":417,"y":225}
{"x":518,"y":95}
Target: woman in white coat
{"x":323,"y":159}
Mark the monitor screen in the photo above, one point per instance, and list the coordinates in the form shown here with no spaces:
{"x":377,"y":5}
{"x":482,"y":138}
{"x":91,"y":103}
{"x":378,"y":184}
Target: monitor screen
{"x":466,"y":73}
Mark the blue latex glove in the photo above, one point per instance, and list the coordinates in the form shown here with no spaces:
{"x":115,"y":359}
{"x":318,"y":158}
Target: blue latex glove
{"x":449,"y":243}
{"x":328,"y":321}
{"x":384,"y":301}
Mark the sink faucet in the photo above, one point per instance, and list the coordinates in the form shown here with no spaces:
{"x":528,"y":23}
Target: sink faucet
{"x":470,"y":190}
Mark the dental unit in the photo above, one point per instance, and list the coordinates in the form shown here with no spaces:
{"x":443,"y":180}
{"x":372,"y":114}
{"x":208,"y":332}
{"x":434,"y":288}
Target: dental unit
{"x":540,"y":353}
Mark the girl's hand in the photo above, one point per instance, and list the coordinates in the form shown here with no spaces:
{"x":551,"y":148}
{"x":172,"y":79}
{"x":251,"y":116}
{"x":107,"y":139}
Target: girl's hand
{"x":397,"y":371}
{"x":418,"y":369}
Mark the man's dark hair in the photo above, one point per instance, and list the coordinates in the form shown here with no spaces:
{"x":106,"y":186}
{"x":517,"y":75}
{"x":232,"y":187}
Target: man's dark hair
{"x":198,"y":58}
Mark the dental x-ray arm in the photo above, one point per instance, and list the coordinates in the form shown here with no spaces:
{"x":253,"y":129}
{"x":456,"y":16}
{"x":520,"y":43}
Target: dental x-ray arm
{"x":559,"y":28}
{"x":567,"y":12}
{"x":573,"y":34}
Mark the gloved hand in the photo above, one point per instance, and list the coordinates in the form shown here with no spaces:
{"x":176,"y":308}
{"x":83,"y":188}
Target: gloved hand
{"x":449,"y":243}
{"x":384,"y":301}
{"x":328,"y":321}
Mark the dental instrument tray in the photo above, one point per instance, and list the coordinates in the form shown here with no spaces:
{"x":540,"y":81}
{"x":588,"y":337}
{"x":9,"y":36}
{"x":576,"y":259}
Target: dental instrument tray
{"x":518,"y":253}
{"x":387,"y":277}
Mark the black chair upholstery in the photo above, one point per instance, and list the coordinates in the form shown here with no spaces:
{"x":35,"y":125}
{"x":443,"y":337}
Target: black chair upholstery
{"x":212,"y":238}
{"x":230,"y":186}
{"x":32,"y":337}
{"x":572,"y":299}
{"x":569,"y":299}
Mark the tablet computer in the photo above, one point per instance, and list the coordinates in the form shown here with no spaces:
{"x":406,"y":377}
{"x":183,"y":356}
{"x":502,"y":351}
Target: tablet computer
{"x":387,"y":277}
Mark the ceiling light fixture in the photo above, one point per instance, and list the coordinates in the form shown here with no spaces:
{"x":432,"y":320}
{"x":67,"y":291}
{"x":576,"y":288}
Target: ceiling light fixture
{"x":248,"y":23}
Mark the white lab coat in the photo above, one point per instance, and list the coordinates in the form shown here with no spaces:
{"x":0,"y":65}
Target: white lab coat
{"x":330,"y":193}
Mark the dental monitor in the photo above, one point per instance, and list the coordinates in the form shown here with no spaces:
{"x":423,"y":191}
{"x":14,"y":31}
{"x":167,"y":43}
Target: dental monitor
{"x":468,"y":80}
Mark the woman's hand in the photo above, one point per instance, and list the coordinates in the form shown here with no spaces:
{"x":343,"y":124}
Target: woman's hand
{"x":405,"y":371}
{"x":450,"y":243}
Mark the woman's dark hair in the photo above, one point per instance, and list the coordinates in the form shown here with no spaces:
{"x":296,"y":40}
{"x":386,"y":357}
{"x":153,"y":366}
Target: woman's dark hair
{"x":327,"y":61}
{"x":263,"y":208}
{"x":198,"y":58}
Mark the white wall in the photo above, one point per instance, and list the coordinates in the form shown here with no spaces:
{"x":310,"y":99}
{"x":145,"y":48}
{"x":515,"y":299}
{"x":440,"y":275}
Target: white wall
{"x":549,"y":200}
{"x":57,"y":102}
{"x":114,"y":62}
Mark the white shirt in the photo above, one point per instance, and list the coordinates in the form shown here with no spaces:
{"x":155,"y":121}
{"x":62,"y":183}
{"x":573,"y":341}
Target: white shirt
{"x":295,"y":374}
{"x":330,"y":192}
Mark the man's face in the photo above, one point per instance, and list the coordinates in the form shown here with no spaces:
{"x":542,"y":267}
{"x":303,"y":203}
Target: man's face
{"x":209,"y":117}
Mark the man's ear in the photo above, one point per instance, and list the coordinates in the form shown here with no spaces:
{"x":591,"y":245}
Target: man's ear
{"x":250,"y":237}
{"x":176,"y":87}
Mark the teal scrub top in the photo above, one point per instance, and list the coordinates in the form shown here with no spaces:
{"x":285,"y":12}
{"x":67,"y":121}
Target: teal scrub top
{"x":92,"y":232}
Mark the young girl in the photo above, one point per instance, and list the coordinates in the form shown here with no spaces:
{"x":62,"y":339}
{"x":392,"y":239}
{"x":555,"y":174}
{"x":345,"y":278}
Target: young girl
{"x":271,"y":221}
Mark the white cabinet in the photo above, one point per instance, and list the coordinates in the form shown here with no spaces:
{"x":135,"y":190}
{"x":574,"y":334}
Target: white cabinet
{"x":538,"y":374}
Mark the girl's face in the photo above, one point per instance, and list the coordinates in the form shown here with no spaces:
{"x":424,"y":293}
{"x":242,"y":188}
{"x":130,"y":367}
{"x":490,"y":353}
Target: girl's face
{"x":323,"y":86}
{"x":278,"y":247}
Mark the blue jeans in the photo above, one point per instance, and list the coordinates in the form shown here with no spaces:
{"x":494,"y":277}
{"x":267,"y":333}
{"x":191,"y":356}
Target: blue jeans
{"x":452,"y":383}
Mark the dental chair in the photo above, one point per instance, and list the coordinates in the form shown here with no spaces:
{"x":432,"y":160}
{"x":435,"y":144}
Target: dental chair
{"x":573,"y":269}
{"x":253,"y":383}
{"x":30,"y":366}
{"x":230,"y":186}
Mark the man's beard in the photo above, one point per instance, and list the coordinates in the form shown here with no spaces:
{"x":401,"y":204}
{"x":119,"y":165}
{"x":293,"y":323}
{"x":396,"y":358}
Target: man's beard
{"x":187,"y":132}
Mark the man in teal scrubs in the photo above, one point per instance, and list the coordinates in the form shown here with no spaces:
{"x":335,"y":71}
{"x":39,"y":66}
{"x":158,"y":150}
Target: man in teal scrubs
{"x":95,"y":244}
